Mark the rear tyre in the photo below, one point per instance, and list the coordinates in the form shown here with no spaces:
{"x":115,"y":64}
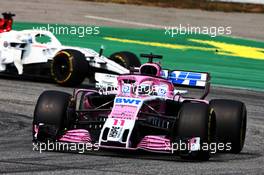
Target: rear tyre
{"x":125,"y":59}
{"x":196,"y":120}
{"x":69,"y":67}
{"x":231,"y":121}
{"x":50,"y":115}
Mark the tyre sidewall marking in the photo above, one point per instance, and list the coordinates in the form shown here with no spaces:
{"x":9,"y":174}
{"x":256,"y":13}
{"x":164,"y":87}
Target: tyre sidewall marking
{"x":210,"y":124}
{"x":119,"y":57}
{"x":242,"y":126}
{"x":70,"y":58}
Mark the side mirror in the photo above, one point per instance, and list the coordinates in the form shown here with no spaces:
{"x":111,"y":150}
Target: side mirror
{"x":101,"y":51}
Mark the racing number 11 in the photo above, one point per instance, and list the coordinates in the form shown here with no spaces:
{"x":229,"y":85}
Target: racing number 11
{"x":116,"y":121}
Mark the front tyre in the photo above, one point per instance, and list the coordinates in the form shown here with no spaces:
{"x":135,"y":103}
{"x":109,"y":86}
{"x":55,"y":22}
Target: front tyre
{"x":50,"y":115}
{"x":196,"y":120}
{"x":69,"y":67}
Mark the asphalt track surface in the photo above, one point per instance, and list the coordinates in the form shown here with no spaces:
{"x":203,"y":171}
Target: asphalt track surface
{"x":17,"y":100}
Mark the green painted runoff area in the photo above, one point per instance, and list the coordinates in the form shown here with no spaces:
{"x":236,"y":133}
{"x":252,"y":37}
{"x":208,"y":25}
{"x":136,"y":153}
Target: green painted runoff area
{"x":220,"y":56}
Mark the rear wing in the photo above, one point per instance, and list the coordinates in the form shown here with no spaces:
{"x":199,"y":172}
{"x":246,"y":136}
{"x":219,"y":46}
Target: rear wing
{"x":190,"y":79}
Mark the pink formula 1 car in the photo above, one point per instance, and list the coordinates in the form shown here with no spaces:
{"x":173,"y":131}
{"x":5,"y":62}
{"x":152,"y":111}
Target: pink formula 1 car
{"x":145,"y":111}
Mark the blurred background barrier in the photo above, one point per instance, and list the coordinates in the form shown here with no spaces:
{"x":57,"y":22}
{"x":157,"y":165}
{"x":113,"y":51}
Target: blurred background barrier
{"x":242,"y":1}
{"x":252,"y":6}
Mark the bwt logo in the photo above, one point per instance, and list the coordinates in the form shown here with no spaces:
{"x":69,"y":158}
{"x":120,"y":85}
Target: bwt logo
{"x":129,"y":101}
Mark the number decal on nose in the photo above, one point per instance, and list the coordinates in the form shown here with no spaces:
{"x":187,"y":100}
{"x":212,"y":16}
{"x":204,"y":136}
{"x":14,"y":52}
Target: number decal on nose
{"x":120,"y":122}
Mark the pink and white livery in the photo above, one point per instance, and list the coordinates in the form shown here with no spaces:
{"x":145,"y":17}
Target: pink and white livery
{"x":144,"y":111}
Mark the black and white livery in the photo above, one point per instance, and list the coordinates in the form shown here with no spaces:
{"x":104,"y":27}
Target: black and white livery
{"x":38,"y":53}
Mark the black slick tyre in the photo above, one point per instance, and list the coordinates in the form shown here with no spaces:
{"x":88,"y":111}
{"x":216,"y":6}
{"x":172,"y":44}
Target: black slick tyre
{"x":125,"y":59}
{"x":50,"y":114}
{"x":69,"y":67}
{"x":196,"y":120}
{"x":231,"y":121}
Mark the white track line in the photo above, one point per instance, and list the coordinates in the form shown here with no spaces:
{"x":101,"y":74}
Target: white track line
{"x":150,"y":25}
{"x":124,"y":22}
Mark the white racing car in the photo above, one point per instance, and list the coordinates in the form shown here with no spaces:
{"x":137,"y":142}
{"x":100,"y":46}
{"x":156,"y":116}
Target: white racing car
{"x":38,"y":53}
